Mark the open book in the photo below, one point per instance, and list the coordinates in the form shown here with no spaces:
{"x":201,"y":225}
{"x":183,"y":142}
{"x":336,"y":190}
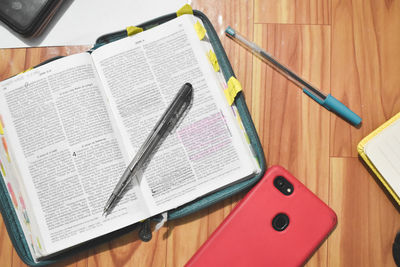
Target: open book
{"x":73,"y":125}
{"x":381,"y":151}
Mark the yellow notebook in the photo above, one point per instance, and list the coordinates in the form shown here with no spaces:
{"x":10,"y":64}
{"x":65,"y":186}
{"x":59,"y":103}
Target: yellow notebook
{"x":381,"y":151}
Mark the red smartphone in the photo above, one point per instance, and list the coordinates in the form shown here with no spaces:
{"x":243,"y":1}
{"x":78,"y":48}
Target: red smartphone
{"x":278,"y":223}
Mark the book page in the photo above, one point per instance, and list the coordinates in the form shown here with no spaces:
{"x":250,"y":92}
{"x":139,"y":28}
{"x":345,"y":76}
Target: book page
{"x":17,"y":194}
{"x":384,"y":152}
{"x":141,"y":75}
{"x":68,"y":151}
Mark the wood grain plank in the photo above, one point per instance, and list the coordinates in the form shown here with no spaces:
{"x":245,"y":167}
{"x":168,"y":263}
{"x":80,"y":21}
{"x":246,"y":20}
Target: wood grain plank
{"x":293,"y":123}
{"x":37,"y":55}
{"x":365,"y":62}
{"x":185,"y":236}
{"x":12,"y":62}
{"x":293,"y":128}
{"x":293,"y":12}
{"x":260,"y":104}
{"x":129,"y":250}
{"x":368,"y":221}
{"x":282,"y":99}
{"x":6,"y":248}
{"x":76,"y":260}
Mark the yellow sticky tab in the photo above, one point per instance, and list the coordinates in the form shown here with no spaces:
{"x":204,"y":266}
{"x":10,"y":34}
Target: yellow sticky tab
{"x":228,"y":96}
{"x":2,"y":169}
{"x":186,"y":9}
{"x":239,"y":119}
{"x":40,"y":245}
{"x":131,"y":30}
{"x":201,"y":32}
{"x":25,"y":71}
{"x":1,"y":126}
{"x":234,"y":87}
{"x":213,"y":59}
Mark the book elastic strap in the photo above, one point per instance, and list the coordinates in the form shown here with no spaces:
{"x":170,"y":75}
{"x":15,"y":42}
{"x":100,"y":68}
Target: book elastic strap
{"x":213,"y":60}
{"x":200,"y":30}
{"x":234,"y":87}
{"x":131,"y":30}
{"x":186,"y":9}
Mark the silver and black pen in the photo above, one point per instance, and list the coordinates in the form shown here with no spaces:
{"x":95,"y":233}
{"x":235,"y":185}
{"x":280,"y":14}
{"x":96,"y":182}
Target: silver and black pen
{"x":167,"y":121}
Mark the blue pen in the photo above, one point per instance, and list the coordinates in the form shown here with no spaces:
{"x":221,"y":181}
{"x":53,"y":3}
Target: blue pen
{"x":327,"y":101}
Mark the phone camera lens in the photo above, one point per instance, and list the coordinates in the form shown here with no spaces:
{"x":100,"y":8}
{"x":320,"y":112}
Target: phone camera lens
{"x":283,"y":185}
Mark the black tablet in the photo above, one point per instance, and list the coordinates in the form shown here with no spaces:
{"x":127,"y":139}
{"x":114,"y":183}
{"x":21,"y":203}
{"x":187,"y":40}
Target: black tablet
{"x":28,"y":17}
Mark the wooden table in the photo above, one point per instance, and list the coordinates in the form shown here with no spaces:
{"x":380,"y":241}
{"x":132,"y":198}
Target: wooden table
{"x":348,"y":48}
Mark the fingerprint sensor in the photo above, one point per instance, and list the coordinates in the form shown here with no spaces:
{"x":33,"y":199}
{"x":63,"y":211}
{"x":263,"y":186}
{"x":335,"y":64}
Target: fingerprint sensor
{"x":280,"y":222}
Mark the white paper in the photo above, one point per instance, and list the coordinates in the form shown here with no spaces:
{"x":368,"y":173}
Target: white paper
{"x":82,"y":22}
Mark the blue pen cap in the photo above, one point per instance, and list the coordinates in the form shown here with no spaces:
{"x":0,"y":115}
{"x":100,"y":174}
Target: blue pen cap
{"x":230,"y":31}
{"x":335,"y":105}
{"x":332,"y":104}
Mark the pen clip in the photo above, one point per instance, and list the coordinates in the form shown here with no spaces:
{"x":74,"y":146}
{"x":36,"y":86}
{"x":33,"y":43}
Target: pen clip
{"x":174,"y":123}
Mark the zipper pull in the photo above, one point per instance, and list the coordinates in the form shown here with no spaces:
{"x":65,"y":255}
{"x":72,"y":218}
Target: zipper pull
{"x":145,"y":231}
